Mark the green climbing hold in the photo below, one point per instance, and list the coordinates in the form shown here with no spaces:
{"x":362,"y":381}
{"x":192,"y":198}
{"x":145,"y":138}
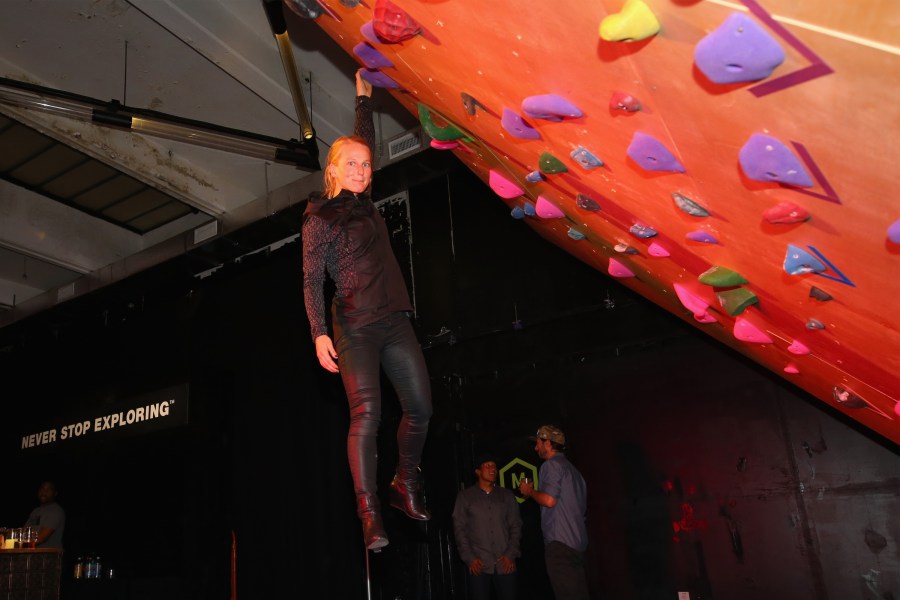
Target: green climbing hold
{"x":550,"y":165}
{"x":736,"y":300}
{"x":721,"y":277}
{"x":443,"y":134}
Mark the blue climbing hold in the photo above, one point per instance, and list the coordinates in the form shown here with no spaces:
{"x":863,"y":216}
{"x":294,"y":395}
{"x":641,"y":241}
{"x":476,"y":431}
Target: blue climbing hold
{"x":584,"y":158}
{"x":642,"y":231}
{"x":764,"y":158}
{"x":798,"y":262}
{"x":529,"y":209}
{"x":517,"y":212}
{"x":575,"y":234}
{"x":534,"y":177}
{"x":738,"y":51}
{"x":513,"y":123}
{"x":651,"y":155}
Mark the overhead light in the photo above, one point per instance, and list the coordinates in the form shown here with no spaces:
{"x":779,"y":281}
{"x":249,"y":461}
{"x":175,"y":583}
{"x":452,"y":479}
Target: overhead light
{"x":304,"y":154}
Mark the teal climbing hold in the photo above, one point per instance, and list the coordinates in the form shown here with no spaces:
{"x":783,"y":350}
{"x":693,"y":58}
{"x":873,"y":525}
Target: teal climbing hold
{"x":575,"y":234}
{"x":798,"y":262}
{"x":444,"y":134}
{"x":717,"y":276}
{"x":688,"y":206}
{"x":735,"y":301}
{"x":550,"y":165}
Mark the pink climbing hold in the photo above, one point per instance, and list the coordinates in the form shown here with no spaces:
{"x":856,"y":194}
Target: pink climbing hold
{"x":791,"y":368}
{"x":622,"y":101}
{"x":798,"y":348}
{"x":694,"y":303}
{"x":550,"y":107}
{"x":448,"y":145}
{"x":617,"y":269}
{"x":503,"y":187}
{"x":514,"y":124}
{"x":392,"y":24}
{"x":547,"y":210}
{"x":897,"y":408}
{"x":786,"y":213}
{"x":746,"y":331}
{"x":658,"y":251}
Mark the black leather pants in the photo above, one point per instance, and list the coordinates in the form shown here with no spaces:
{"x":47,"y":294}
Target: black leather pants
{"x":389,"y":344}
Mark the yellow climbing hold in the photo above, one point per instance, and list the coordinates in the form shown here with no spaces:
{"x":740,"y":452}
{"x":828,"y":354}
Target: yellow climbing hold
{"x":634,"y":22}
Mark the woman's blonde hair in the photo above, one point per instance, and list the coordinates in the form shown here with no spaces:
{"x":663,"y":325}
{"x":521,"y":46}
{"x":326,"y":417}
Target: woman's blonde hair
{"x":331,"y":185}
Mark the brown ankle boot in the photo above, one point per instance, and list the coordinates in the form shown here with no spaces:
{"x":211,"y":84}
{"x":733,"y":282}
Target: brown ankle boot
{"x":368,"y":509}
{"x":406,"y":495}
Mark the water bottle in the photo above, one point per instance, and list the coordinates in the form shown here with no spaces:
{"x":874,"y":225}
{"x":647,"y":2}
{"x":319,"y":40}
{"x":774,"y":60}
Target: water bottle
{"x":79,"y":567}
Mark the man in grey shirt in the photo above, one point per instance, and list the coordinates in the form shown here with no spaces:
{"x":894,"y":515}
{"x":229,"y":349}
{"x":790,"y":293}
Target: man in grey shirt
{"x":488,"y":527}
{"x":49,"y":518}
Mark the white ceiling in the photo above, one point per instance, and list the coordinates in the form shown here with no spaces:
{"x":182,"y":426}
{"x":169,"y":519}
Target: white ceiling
{"x":214,"y":61}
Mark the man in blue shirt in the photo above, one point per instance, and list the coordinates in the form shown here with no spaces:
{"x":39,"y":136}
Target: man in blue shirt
{"x":563,"y":501}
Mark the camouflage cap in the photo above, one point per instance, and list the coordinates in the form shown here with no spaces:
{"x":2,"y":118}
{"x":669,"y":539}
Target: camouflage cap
{"x":549,"y":432}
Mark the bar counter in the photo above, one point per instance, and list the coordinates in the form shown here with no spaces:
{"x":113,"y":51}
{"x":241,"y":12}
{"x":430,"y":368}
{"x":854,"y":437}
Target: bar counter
{"x":30,"y":573}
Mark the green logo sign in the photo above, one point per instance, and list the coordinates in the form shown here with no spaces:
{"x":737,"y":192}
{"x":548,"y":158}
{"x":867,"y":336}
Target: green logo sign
{"x":515,"y":471}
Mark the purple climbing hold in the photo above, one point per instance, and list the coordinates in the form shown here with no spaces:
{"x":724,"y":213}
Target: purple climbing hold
{"x":893,"y":232}
{"x":575,"y":234}
{"x":550,"y":107}
{"x":642,"y":231}
{"x":534,"y":177}
{"x":515,"y":125}
{"x":502,"y":186}
{"x":651,"y":155}
{"x":798,"y":262}
{"x":586,"y":203}
{"x":764,"y":158}
{"x":624,"y":102}
{"x":702,"y":236}
{"x":545,"y":209}
{"x":584,"y":158}
{"x":368,"y":32}
{"x":378,"y":79}
{"x":688,"y":206}
{"x":738,"y":51}
{"x":371,"y":57}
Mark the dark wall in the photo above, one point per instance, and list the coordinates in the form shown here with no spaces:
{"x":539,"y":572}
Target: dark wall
{"x":705,"y":473}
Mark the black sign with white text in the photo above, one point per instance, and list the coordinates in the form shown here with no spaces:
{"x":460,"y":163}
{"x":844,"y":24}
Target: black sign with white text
{"x":154,"y":411}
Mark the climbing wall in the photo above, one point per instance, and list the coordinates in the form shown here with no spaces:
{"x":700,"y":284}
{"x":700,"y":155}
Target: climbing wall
{"x":734,"y":162}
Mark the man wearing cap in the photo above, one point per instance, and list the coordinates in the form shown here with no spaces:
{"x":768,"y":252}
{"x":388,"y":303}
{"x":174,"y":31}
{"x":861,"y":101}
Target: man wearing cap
{"x":488,"y":527}
{"x":563,"y":501}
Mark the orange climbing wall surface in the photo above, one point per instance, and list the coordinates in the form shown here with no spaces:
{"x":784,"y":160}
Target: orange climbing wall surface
{"x":831,"y":104}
